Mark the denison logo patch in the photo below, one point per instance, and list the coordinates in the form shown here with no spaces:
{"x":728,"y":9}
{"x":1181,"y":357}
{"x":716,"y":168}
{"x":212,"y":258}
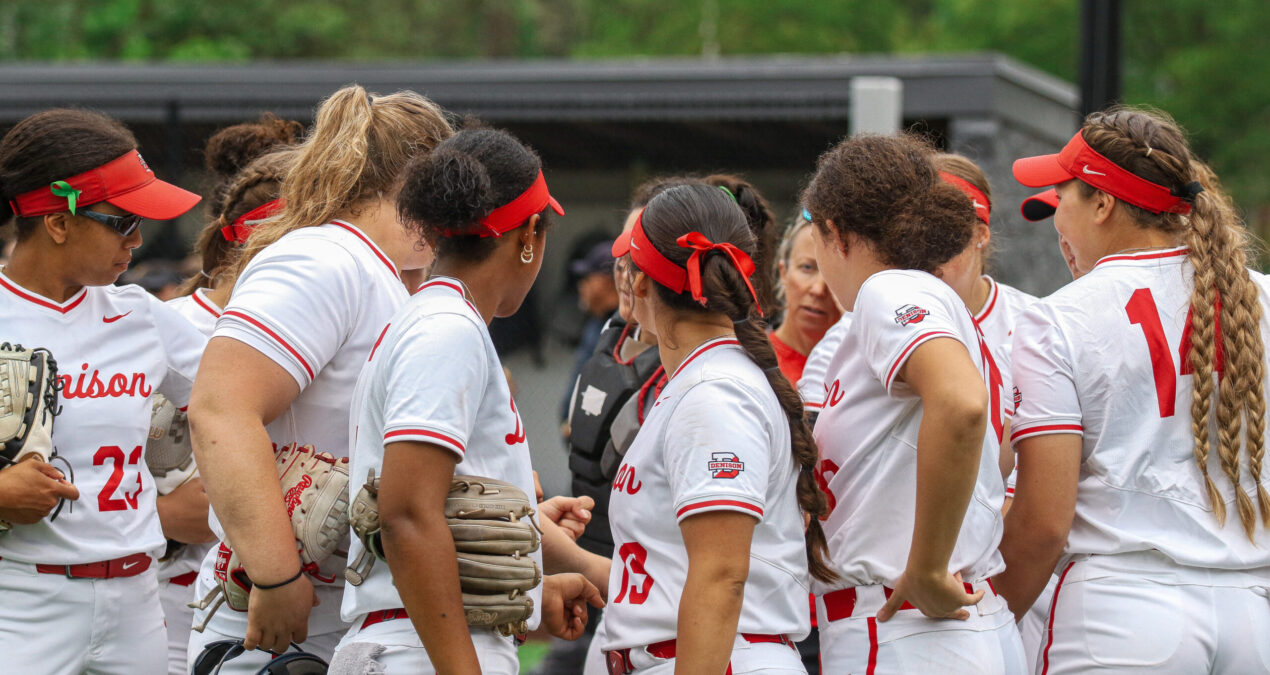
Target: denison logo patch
{"x":725,"y":465}
{"x":909,"y":314}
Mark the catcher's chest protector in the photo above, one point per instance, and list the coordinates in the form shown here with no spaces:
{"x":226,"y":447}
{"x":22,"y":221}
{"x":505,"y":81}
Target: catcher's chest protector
{"x":604,"y":385}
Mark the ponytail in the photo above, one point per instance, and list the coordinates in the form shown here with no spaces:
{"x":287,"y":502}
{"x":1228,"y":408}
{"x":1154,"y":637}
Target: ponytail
{"x":355,"y":151}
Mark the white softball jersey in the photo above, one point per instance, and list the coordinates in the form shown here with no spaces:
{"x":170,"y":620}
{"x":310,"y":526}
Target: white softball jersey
{"x":867,"y":434}
{"x":1105,"y":358}
{"x":435,"y":378}
{"x":314,"y":302}
{"x":115,"y":346}
{"x":811,"y":386}
{"x":198,"y":309}
{"x":715,"y":440}
{"x":996,"y":321}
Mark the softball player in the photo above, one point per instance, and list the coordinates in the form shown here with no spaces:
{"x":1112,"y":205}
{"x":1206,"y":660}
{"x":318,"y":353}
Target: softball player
{"x":482,"y":199}
{"x":80,"y":593}
{"x":314,"y":290}
{"x":1141,"y":424}
{"x":722,"y":462}
{"x":906,"y":411}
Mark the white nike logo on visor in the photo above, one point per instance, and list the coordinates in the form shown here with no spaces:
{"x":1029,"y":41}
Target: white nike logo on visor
{"x":1092,"y":172}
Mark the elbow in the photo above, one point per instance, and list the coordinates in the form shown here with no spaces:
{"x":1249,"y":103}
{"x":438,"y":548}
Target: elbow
{"x":964,"y":415}
{"x":728,"y":577}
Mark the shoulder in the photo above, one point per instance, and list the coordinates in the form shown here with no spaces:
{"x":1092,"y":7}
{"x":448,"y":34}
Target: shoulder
{"x":728,"y":379}
{"x":901,"y":292}
{"x":325,"y":246}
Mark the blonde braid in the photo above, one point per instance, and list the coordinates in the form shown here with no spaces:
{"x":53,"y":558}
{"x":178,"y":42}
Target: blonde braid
{"x":1202,"y":357}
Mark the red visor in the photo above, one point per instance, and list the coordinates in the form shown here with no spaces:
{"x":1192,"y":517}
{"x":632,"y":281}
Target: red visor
{"x":513,"y":214}
{"x":126,"y":182}
{"x":238,"y":231}
{"x":659,"y":268}
{"x":1040,"y":206}
{"x":1078,"y":160}
{"x":977,"y":197}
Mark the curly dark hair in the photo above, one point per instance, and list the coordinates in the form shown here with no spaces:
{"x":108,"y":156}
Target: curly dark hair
{"x":886,"y":191}
{"x":461,"y":181}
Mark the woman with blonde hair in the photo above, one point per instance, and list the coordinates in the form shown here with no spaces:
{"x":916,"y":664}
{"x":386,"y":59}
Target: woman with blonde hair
{"x":314,"y":287}
{"x":1141,"y":428}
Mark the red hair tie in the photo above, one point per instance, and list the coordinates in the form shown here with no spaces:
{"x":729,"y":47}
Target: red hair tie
{"x":238,"y":231}
{"x":700,"y":246}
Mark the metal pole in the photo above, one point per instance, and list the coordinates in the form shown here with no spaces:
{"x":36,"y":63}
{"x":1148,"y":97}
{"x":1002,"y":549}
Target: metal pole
{"x":1099,"y":54}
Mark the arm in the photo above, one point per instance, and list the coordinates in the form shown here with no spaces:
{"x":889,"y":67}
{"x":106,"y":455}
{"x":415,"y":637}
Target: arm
{"x":1037,"y":524}
{"x":711,"y":603}
{"x":183,"y":514}
{"x":238,"y":391}
{"x":420,"y":550}
{"x":30,"y":489}
{"x":949,"y":443}
{"x":560,"y":553}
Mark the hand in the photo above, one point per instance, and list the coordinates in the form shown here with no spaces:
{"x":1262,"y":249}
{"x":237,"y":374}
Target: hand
{"x":939,"y":596}
{"x":1069,"y":257}
{"x":30,"y":490}
{"x":279,"y":616}
{"x":564,"y":601}
{"x":183,"y":513}
{"x":570,"y":514}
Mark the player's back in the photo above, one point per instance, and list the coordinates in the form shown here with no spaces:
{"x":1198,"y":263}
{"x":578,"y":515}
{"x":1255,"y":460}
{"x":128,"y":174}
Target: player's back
{"x":1108,"y":357}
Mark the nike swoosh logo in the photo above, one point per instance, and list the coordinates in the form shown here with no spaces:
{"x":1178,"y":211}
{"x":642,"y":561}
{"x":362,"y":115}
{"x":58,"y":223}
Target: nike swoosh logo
{"x":636,"y":247}
{"x":127,"y":566}
{"x":1092,"y":172}
{"x":112,"y":319}
{"x":977,"y":205}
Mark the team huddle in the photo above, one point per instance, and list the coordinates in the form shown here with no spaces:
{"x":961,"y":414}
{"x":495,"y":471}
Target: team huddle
{"x":884,"y":461}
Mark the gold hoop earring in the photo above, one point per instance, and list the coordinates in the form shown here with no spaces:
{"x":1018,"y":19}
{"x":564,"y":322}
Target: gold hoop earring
{"x":527,"y":254}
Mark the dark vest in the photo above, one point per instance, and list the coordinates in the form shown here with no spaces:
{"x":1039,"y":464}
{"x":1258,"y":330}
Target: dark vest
{"x":605,"y":387}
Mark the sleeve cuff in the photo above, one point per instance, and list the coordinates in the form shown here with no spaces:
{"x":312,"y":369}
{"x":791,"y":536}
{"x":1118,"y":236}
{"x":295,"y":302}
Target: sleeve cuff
{"x":716,"y":503}
{"x":256,"y":334}
{"x":418,"y":435}
{"x":1046,"y":428}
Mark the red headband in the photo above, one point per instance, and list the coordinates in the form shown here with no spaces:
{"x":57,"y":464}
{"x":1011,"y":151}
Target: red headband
{"x":659,"y":268}
{"x":513,"y":214}
{"x":977,"y":198}
{"x":1078,"y":160}
{"x":126,"y":182}
{"x":238,"y":231}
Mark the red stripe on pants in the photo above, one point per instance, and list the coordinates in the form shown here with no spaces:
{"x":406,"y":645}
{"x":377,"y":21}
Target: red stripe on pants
{"x":1054,"y":605}
{"x":873,"y":644}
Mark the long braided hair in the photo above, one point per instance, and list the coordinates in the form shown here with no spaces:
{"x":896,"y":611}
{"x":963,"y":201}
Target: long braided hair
{"x":710,"y":211}
{"x":1225,"y":303}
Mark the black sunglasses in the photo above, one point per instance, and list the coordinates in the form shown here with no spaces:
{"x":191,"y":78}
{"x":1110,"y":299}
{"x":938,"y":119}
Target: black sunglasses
{"x":217,"y":653}
{"x":124,"y":225}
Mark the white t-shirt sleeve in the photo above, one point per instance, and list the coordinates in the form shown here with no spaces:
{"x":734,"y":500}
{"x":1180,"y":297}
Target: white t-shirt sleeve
{"x":718,"y":451}
{"x":183,"y":346}
{"x":437,"y":375}
{"x":1044,"y":378}
{"x":296,"y":304}
{"x":896,"y":314}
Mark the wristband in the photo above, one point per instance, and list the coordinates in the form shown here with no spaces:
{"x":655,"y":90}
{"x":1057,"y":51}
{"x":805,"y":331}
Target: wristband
{"x":270,"y":587}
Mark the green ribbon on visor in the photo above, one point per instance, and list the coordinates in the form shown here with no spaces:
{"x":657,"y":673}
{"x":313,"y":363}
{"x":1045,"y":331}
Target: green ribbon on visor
{"x":61,"y":188}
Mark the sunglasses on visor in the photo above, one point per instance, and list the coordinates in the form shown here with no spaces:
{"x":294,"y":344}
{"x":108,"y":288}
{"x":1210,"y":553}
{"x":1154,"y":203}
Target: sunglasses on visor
{"x":124,"y":225}
{"x":300,"y":662}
